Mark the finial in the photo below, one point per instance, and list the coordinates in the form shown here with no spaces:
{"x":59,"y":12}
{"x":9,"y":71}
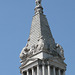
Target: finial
{"x":38,"y":8}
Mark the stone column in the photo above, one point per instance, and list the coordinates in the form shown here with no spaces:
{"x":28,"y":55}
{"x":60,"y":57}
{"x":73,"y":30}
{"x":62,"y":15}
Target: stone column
{"x":37,"y":69}
{"x":32,"y":71}
{"x":59,"y":72}
{"x":22,"y":73}
{"x":27,"y":72}
{"x":64,"y":72}
{"x":54,"y":73}
{"x":49,"y":69}
{"x":43,"y":68}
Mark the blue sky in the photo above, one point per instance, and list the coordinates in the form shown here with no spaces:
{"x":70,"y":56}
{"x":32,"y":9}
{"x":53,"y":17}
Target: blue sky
{"x":15,"y":22}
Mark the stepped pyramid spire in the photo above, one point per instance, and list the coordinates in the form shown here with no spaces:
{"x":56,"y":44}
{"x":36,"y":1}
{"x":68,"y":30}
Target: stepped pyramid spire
{"x":40,"y":38}
{"x":41,"y":55}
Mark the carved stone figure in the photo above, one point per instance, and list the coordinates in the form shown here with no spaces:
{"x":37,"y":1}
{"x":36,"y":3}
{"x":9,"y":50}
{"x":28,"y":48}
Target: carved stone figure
{"x":60,"y":50}
{"x":24,"y":52}
{"x":40,"y":44}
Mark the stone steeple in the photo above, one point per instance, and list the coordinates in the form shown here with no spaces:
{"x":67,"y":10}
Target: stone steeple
{"x":41,"y":47}
{"x":40,"y":38}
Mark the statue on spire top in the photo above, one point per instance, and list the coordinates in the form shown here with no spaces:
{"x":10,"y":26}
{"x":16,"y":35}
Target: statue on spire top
{"x":38,"y":2}
{"x":38,"y":8}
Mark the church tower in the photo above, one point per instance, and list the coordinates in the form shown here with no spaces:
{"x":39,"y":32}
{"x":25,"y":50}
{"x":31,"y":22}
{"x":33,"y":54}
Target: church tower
{"x":41,"y":55}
